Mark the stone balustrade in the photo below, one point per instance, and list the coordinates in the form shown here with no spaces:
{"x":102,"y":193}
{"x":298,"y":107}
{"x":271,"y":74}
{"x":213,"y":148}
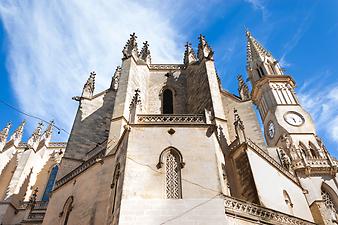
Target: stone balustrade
{"x":171,"y":119}
{"x":255,"y":212}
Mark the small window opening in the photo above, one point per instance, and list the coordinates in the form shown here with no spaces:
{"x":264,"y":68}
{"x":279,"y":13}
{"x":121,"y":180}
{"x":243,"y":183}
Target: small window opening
{"x":167,"y":102}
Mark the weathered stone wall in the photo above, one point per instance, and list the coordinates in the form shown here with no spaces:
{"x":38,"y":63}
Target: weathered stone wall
{"x":271,"y":193}
{"x":161,"y":80}
{"x":92,"y":192}
{"x":144,"y":198}
{"x":248,"y":116}
{"x":91,"y":127}
{"x":198,"y":90}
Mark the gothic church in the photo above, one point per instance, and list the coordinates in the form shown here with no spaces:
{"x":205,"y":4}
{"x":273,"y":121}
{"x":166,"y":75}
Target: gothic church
{"x":165,"y":144}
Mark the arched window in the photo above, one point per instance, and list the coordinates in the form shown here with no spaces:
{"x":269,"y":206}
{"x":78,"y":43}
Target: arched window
{"x":50,"y":183}
{"x":288,"y":202}
{"x":67,"y":208}
{"x":261,"y":70}
{"x":314,"y":151}
{"x":303,"y":149}
{"x":172,"y":160}
{"x":114,"y":186}
{"x":168,"y":102}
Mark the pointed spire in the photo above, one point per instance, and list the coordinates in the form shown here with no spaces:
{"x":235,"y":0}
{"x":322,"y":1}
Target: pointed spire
{"x":189,"y":54}
{"x":34,"y":140}
{"x":115,"y":80}
{"x":255,"y":51}
{"x":4,"y":135}
{"x":243,"y":88}
{"x":204,"y":50}
{"x":130,"y":49}
{"x":89,"y":87}
{"x":145,"y":53}
{"x":260,"y":61}
{"x":17,"y":135}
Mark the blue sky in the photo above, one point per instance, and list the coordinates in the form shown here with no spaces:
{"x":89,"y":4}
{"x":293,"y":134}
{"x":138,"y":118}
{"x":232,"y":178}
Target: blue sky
{"x":48,"y":49}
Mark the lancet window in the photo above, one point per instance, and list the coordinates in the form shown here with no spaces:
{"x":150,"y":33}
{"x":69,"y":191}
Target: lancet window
{"x":67,"y":208}
{"x":288,"y":202}
{"x":50,"y":183}
{"x":171,"y":160}
{"x":114,"y":186}
{"x":168,"y":102}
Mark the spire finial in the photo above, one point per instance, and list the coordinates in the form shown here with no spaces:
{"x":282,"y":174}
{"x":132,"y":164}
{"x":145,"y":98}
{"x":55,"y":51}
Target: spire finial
{"x":49,"y":130}
{"x":33,"y":141}
{"x":89,"y":87}
{"x":189,"y":54}
{"x":145,"y":53}
{"x":115,"y":80}
{"x":204,"y":50}
{"x":17,"y":135}
{"x":243,"y":88}
{"x":130,"y":49}
{"x":4,"y":135}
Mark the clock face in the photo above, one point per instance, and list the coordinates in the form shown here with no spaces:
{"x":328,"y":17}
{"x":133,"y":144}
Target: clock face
{"x":294,"y":118}
{"x":271,"y":130}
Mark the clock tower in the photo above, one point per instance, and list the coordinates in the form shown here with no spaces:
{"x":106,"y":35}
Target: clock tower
{"x":290,"y":132}
{"x":286,"y":124}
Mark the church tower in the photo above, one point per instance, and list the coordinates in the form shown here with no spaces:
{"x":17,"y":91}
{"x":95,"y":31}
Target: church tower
{"x":290,"y":128}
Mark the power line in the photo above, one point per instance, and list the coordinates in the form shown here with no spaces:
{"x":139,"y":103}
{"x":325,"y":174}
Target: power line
{"x":186,"y":180}
{"x":191,"y":209}
{"x":45,"y":121}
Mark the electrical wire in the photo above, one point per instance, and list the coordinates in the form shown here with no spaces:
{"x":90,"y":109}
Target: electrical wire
{"x":45,"y":121}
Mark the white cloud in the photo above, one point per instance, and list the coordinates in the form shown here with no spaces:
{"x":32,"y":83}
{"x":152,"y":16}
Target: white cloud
{"x":53,"y":45}
{"x":259,"y":5}
{"x":322,"y":103}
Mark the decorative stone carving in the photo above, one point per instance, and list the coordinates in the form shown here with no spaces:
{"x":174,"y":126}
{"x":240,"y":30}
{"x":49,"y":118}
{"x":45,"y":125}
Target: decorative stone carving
{"x":17,"y":135}
{"x":172,"y":119}
{"x":33,"y":141}
{"x":289,"y":147}
{"x":239,"y":127}
{"x":130,"y":49}
{"x":145,"y":53}
{"x":89,"y":87}
{"x":116,"y":78}
{"x":285,"y":159}
{"x":243,"y":88}
{"x":204,"y":50}
{"x":4,"y":135}
{"x":189,"y":54}
{"x":172,"y":177}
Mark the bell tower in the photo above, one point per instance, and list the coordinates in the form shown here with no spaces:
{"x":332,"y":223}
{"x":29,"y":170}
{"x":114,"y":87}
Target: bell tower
{"x":273,"y":93}
{"x":289,"y":129}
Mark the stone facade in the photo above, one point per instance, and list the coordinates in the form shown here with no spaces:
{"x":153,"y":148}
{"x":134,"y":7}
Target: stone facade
{"x":165,"y":144}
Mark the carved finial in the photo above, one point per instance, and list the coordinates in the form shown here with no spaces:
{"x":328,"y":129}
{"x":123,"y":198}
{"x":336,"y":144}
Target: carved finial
{"x":4,"y":135}
{"x":49,"y":130}
{"x":4,"y":132}
{"x":17,"y":135}
{"x":204,"y":50}
{"x":145,"y":53}
{"x":130,"y":49}
{"x":115,"y":80}
{"x":136,"y":99}
{"x":33,"y":141}
{"x":243,"y":88}
{"x":89,"y":87}
{"x":189,"y":54}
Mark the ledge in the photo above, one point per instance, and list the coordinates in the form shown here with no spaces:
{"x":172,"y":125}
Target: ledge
{"x":256,"y":213}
